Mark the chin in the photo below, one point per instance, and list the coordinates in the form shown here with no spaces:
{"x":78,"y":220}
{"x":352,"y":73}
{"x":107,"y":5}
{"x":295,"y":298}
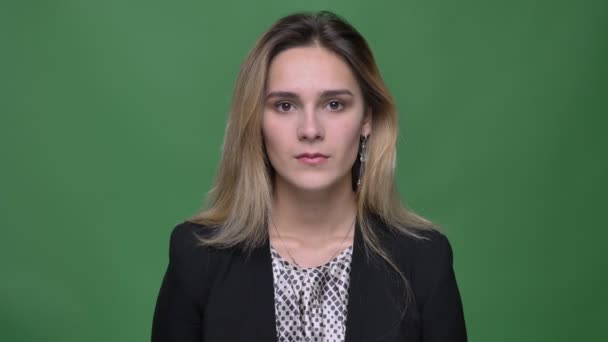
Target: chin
{"x":313,"y":183}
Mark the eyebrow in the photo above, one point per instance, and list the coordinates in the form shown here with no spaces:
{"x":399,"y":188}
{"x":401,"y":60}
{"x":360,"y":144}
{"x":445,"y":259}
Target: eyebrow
{"x":326,"y":93}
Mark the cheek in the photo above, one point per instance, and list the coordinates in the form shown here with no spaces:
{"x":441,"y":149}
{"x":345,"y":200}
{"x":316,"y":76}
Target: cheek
{"x":274,"y":135}
{"x":352,"y":151}
{"x":351,"y":136}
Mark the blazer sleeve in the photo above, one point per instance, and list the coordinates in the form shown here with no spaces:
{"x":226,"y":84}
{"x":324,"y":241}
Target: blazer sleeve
{"x":177,"y":316}
{"x":442,"y":312}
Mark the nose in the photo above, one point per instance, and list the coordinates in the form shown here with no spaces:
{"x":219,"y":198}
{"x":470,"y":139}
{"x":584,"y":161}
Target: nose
{"x":309,"y":126}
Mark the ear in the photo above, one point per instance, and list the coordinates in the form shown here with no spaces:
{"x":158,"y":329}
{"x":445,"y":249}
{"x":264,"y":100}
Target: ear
{"x":366,"y":128}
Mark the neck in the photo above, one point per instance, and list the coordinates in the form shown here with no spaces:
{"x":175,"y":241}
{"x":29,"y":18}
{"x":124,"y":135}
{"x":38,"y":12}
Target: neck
{"x":313,"y":215}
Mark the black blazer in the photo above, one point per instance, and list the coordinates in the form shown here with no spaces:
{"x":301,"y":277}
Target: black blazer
{"x":221,"y":295}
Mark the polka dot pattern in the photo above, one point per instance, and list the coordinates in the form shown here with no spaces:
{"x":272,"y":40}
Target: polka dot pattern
{"x":310,"y":303}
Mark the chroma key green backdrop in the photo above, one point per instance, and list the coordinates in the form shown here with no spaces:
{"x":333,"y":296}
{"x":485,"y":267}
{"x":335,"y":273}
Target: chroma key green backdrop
{"x":112,"y":119}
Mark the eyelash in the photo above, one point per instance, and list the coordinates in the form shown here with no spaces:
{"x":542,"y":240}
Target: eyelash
{"x":340,"y":103}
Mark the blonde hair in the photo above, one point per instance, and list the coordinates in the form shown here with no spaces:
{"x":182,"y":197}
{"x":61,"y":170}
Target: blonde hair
{"x":239,"y":202}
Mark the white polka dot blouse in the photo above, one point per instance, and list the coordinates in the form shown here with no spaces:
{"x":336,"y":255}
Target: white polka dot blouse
{"x":311,"y":303}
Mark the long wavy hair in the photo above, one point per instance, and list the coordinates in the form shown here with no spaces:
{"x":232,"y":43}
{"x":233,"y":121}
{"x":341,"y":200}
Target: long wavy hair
{"x":239,"y":202}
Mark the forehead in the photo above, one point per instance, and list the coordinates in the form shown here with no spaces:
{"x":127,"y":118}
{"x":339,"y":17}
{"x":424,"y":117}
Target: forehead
{"x":310,"y":69}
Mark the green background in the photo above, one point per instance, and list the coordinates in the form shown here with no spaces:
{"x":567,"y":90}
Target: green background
{"x":112,"y":120}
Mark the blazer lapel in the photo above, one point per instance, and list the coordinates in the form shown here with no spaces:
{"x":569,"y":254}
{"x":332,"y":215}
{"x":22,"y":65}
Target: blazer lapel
{"x":371,"y":308}
{"x":262,"y":313}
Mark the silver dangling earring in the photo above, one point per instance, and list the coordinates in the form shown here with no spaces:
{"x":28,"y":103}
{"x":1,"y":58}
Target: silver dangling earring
{"x":362,"y":158}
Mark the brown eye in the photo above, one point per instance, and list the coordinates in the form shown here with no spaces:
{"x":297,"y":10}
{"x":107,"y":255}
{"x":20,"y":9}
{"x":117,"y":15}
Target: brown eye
{"x":284,"y":106}
{"x":335,"y":105}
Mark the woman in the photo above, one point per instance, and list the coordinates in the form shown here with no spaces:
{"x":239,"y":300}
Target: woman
{"x":305,"y":238}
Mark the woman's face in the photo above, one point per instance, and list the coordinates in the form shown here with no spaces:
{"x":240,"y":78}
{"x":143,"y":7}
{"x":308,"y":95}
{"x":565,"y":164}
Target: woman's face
{"x":314,"y":115}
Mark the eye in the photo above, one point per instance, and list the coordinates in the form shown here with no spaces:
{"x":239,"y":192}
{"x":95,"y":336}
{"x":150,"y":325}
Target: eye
{"x":335,"y":105}
{"x":283,"y":106}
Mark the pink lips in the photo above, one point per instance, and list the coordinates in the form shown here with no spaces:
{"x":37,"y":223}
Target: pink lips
{"x":312,"y":158}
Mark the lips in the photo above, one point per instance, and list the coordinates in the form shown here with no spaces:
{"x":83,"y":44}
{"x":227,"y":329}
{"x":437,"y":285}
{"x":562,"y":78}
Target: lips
{"x":312,"y":158}
{"x":311,"y":155}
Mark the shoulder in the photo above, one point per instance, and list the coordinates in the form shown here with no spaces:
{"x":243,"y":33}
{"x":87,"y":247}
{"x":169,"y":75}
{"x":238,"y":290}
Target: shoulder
{"x":423,"y":254}
{"x":429,"y":251}
{"x":186,"y":235}
{"x":185,"y":283}
{"x":427,"y":261}
{"x":187,"y":254}
{"x":417,"y":246}
{"x":431,"y":245}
